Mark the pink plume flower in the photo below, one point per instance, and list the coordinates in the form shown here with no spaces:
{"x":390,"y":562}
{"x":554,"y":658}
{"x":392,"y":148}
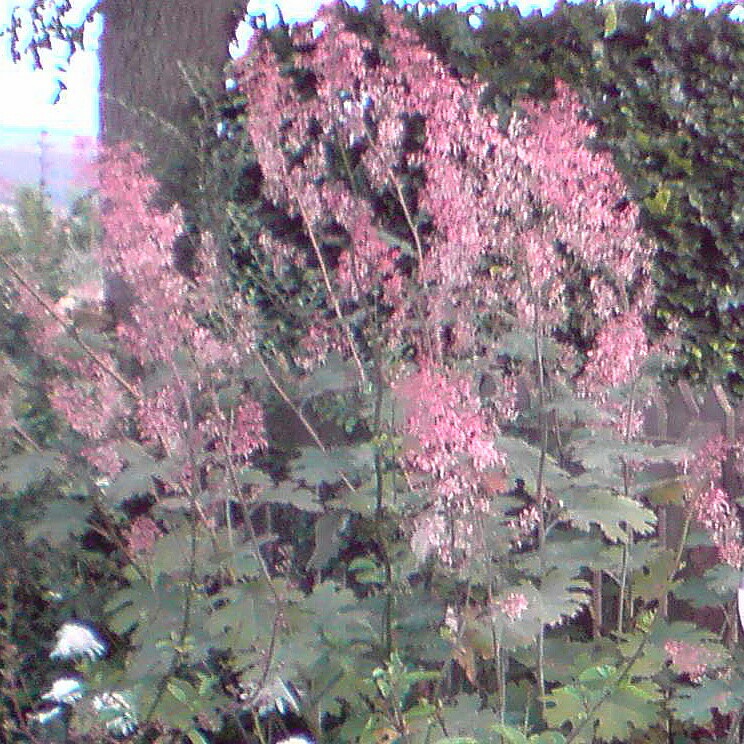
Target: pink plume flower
{"x":143,"y":534}
{"x":445,"y":427}
{"x":619,"y":351}
{"x":690,"y":659}
{"x":513,"y":605}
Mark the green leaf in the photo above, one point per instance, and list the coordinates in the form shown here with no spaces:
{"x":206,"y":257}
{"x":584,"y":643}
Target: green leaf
{"x":629,"y":707}
{"x":523,"y":462}
{"x":696,"y":703}
{"x":652,"y":581}
{"x":568,"y":703}
{"x":329,"y":530}
{"x":62,"y":519}
{"x":548,"y":737}
{"x":509,"y":734}
{"x":23,"y":470}
{"x":613,"y":513}
{"x":315,"y":466}
{"x":615,"y":708}
{"x":300,"y":496}
{"x":335,"y":375}
{"x":468,"y":718}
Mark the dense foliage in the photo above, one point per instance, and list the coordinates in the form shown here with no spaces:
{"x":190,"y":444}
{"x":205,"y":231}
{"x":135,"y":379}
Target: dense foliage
{"x":369,"y":446}
{"x":667,"y":94}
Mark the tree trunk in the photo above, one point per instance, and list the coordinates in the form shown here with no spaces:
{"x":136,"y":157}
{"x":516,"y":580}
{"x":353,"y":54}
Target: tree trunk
{"x":144,"y":48}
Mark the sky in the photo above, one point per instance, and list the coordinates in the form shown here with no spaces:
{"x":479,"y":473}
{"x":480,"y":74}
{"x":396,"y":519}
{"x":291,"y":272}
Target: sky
{"x":27,"y":94}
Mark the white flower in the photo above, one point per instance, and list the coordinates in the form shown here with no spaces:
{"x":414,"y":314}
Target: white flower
{"x":44,"y":716}
{"x":64,"y":690}
{"x":117,"y":712}
{"x":277,"y":695}
{"x":297,"y":740}
{"x":75,"y":639}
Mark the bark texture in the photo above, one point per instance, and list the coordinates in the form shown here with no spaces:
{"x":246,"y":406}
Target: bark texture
{"x":142,"y":84}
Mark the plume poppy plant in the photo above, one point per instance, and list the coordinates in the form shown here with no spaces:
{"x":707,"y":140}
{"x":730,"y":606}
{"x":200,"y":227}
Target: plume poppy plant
{"x":443,"y":299}
{"x":495,"y":226}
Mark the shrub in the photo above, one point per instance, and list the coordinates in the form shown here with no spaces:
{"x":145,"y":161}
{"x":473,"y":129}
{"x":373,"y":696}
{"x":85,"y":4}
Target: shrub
{"x":452,"y":309}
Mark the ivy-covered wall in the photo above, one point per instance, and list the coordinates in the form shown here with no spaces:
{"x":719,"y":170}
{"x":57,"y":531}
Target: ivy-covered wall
{"x":667,"y":93}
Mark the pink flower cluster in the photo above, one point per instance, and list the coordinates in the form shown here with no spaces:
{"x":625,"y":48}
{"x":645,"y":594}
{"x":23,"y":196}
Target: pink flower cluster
{"x":690,"y":659}
{"x":445,"y":429}
{"x":152,"y":369}
{"x":448,"y":447}
{"x":513,"y":605}
{"x":620,"y":348}
{"x":715,"y":512}
{"x":143,"y":534}
{"x":533,"y":202}
{"x":713,"y":507}
{"x":184,"y":364}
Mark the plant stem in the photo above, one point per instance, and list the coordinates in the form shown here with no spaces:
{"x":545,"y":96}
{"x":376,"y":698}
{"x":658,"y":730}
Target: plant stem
{"x":332,"y":293}
{"x":69,"y":328}
{"x":626,"y":671}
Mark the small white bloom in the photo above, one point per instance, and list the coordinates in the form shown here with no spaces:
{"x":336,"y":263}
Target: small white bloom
{"x":277,"y":695}
{"x":75,"y":639}
{"x":475,"y":21}
{"x":64,"y":690}
{"x":297,"y":740}
{"x":116,"y":710}
{"x":44,"y":716}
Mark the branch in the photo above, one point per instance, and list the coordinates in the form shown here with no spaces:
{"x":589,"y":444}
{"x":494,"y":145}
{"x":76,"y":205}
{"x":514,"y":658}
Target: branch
{"x":69,"y":328}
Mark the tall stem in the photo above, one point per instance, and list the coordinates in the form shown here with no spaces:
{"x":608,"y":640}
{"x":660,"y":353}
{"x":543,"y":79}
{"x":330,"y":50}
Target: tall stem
{"x":591,"y":714}
{"x":332,"y":293}
{"x":628,"y":544}
{"x":540,"y":495}
{"x":68,"y":327}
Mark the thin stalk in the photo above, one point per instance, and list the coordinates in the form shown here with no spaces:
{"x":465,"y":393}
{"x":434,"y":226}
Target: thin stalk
{"x":628,"y":544}
{"x":540,"y":495}
{"x":332,"y":293}
{"x":191,"y":578}
{"x":26,"y":437}
{"x":541,"y":665}
{"x":297,"y":412}
{"x":379,"y":506}
{"x":627,"y":669}
{"x":409,"y":219}
{"x":543,"y":425}
{"x":624,"y":579}
{"x":68,"y":328}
